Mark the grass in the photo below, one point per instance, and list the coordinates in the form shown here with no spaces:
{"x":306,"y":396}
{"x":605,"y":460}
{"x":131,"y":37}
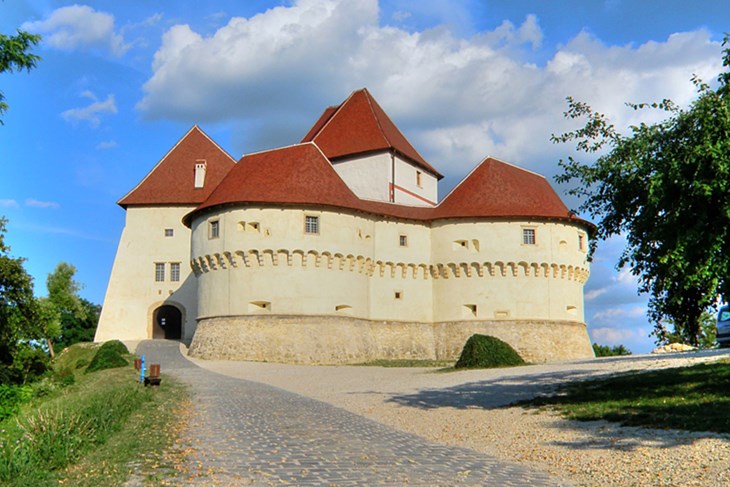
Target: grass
{"x":695,"y":398}
{"x":89,"y":433}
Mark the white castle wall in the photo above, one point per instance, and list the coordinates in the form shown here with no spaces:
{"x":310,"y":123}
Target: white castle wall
{"x":355,"y":266}
{"x":132,"y":294}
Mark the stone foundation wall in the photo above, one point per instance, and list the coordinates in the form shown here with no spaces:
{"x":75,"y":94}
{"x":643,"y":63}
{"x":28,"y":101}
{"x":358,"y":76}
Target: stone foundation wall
{"x":344,"y":340}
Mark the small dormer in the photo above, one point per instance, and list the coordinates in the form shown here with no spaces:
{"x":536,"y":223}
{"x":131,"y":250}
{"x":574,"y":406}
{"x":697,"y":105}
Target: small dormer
{"x":200,"y":167}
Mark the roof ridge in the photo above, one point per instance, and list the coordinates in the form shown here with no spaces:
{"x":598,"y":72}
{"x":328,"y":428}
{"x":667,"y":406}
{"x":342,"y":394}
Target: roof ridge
{"x":195,"y":126}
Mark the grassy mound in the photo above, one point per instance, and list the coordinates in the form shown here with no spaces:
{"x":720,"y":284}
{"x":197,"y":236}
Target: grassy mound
{"x":485,"y":352}
{"x":109,"y":356}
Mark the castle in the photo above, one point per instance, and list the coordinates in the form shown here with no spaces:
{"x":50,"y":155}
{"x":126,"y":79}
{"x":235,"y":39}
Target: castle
{"x":337,"y":250}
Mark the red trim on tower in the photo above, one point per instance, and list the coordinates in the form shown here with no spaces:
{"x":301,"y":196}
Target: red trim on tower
{"x":392,"y":187}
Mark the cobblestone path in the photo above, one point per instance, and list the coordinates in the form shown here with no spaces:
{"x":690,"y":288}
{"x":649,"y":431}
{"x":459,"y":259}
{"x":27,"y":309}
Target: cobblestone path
{"x":246,"y":433}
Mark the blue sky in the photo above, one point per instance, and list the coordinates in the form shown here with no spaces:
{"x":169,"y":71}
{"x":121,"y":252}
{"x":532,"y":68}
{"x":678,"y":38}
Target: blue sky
{"x":121,"y":82}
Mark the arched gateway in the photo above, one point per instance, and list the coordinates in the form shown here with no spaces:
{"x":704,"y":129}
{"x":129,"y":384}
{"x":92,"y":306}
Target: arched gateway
{"x":167,"y":323}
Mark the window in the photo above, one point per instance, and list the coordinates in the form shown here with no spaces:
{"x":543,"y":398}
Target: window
{"x":528,"y":236}
{"x":581,"y":242}
{"x":311,"y":224}
{"x":398,"y":295}
{"x":159,"y":272}
{"x":419,"y":179}
{"x":169,"y":232}
{"x":214,"y":229}
{"x":175,"y":271}
{"x":403,"y":240}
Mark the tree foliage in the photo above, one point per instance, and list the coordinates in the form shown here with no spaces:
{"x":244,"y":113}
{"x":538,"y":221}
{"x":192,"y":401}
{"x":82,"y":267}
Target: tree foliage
{"x":77,"y":317}
{"x":666,"y":188}
{"x":606,"y":351}
{"x":15,"y":55}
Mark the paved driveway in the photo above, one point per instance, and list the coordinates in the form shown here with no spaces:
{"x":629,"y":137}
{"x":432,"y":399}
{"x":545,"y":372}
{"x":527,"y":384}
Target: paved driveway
{"x":247,"y":433}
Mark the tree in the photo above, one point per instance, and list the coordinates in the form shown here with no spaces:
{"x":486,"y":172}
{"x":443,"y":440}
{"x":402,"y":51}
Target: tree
{"x":15,"y":56}
{"x":18,"y":307}
{"x":666,"y":187}
{"x":77,"y":317}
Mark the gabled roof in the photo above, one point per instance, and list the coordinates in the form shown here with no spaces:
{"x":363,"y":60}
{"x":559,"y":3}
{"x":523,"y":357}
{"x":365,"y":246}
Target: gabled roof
{"x":172,"y":182}
{"x":498,"y":189}
{"x":360,"y":126}
{"x":298,"y":174}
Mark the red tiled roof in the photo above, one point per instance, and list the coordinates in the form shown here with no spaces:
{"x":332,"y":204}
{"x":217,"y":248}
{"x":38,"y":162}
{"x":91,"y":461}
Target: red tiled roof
{"x":495,"y":188}
{"x":171,"y":181}
{"x":299,"y":174}
{"x":302,"y":175}
{"x":359,"y":126}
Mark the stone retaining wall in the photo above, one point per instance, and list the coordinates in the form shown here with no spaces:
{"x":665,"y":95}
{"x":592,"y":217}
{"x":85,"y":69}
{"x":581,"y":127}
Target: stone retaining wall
{"x":341,"y":340}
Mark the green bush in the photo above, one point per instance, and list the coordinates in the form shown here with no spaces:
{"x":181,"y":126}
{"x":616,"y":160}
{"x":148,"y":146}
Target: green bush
{"x":484,"y":352}
{"x":81,"y":363}
{"x":606,"y":351}
{"x":109,"y":356}
{"x":11,"y":397}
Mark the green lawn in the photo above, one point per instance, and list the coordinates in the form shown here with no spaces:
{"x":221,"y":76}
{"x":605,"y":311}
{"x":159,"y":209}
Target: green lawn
{"x":693,"y":398}
{"x":94,"y":432}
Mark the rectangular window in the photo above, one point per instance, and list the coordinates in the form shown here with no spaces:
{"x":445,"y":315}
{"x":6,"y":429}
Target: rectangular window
{"x":528,"y":236}
{"x":311,"y":224}
{"x":214,"y":230}
{"x":175,"y":271}
{"x":581,"y":242}
{"x":419,"y":181}
{"x":403,"y":240}
{"x":159,"y":272}
{"x":169,"y":232}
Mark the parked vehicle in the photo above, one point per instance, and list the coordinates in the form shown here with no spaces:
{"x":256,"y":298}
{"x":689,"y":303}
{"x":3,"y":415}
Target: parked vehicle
{"x":723,"y":327}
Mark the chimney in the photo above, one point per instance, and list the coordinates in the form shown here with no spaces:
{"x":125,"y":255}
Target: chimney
{"x":200,"y":166}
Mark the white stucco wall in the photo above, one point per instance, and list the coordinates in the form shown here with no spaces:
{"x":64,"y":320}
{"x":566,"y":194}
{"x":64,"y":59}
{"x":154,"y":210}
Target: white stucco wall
{"x":450,"y":270}
{"x":368,"y":177}
{"x":133,"y":294}
{"x":407,"y":190}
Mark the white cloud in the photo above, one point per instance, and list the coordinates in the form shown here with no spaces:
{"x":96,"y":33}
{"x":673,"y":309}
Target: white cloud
{"x":617,"y":336}
{"x":34,"y":203}
{"x":612,"y":314}
{"x":107,"y":144}
{"x":92,"y":112}
{"x":8,"y":203}
{"x":456,"y":99}
{"x":79,"y":27}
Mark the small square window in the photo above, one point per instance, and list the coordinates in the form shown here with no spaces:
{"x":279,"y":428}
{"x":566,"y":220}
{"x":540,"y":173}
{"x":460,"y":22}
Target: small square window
{"x":398,"y":295}
{"x":214,"y":229}
{"x":169,"y":232}
{"x":175,"y":271}
{"x":311,"y":224}
{"x":159,"y":272}
{"x":528,"y":236}
{"x":403,"y":240}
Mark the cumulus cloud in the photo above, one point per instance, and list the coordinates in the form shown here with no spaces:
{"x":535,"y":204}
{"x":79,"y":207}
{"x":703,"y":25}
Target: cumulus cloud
{"x":457,"y":99}
{"x":80,"y":27}
{"x":34,"y":203}
{"x":92,"y":112}
{"x":618,"y":336}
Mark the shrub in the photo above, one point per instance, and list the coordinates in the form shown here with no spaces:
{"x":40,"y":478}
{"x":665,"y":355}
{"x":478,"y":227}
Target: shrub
{"x":109,"y":356}
{"x":11,"y":397}
{"x":606,"y":351}
{"x":483,"y":352}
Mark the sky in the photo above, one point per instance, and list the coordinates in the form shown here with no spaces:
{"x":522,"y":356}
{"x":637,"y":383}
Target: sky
{"x":120,"y":82}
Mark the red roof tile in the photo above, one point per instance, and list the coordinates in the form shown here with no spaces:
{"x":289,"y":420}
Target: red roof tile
{"x":302,"y":175}
{"x":171,"y":181}
{"x":497,"y":189}
{"x":360,"y":126}
{"x":298,"y":174}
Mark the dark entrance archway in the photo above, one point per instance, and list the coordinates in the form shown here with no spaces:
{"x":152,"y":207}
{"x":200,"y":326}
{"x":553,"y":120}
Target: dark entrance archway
{"x":167,"y":323}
